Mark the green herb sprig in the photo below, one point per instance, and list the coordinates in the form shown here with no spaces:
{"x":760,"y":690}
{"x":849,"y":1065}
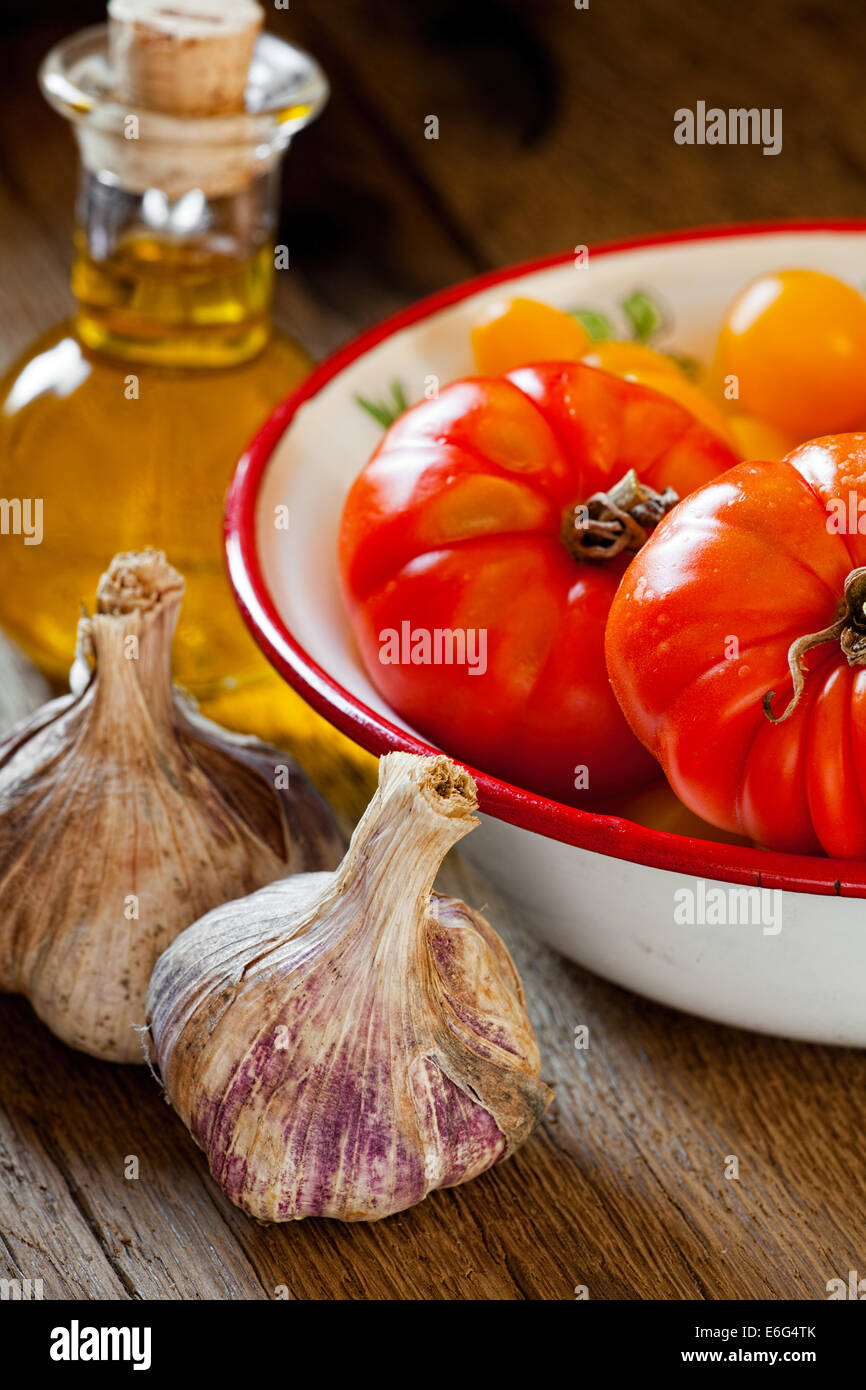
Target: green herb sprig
{"x":386,"y":411}
{"x":645,"y":319}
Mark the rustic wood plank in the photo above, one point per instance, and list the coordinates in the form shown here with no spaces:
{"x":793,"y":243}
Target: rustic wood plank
{"x":44,"y":1235}
{"x":22,"y":688}
{"x":648,"y":1114}
{"x":158,"y":1231}
{"x":556,"y":124}
{"x":622,"y":1189}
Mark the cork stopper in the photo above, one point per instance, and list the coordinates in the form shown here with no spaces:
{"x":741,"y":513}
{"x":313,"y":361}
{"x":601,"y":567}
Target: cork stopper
{"x":183,"y":57}
{"x":182,"y":96}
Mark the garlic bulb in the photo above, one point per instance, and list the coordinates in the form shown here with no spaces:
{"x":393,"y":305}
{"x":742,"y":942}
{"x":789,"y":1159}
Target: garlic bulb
{"x":124,"y":816}
{"x":341,"y":1044}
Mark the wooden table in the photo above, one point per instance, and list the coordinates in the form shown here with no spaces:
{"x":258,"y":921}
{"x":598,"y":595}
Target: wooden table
{"x":555,"y":129}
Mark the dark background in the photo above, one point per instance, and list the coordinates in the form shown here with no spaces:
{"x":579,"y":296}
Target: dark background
{"x":556,"y":128}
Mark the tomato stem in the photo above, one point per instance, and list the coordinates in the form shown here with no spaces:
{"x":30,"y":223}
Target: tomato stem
{"x":620,"y":519}
{"x":850,"y":631}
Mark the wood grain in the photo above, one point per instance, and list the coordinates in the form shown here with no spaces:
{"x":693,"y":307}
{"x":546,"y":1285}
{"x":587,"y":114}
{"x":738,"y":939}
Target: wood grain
{"x":623,"y":1188}
{"x":555,"y":128}
{"x":556,"y":124}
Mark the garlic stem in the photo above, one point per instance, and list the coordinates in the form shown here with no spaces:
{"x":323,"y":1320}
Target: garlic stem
{"x":129,"y":639}
{"x":421,"y":808}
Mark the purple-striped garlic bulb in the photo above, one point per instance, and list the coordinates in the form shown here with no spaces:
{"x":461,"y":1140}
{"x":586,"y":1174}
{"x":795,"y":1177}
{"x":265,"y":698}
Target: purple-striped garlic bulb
{"x":124,"y":815}
{"x":341,"y":1044}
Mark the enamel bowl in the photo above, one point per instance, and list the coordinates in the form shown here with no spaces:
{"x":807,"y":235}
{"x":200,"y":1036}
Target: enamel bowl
{"x":668,"y":916}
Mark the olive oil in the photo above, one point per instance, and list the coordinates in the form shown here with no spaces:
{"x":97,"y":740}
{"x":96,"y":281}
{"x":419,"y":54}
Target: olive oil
{"x":127,"y":421}
{"x":125,"y":454}
{"x":176,"y":303}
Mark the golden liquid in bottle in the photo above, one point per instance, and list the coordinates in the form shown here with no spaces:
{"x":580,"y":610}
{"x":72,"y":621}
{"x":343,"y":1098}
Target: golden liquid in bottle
{"x":127,"y":423}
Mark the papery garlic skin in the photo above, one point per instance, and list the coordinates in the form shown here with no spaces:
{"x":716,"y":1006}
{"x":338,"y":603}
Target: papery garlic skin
{"x":341,"y":1044}
{"x":124,"y":815}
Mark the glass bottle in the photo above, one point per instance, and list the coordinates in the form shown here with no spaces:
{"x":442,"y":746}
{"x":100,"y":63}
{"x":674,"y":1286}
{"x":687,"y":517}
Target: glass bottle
{"x":125,"y":423}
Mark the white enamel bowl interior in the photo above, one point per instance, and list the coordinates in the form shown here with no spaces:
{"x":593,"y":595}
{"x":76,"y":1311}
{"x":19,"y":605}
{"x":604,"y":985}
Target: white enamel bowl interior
{"x":615,"y":917}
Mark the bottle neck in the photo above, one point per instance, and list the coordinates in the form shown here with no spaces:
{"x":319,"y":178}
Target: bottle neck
{"x":175,"y":280}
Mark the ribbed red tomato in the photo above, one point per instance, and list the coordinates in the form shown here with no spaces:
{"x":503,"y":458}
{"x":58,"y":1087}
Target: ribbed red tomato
{"x":736,"y":647}
{"x":451,"y":546}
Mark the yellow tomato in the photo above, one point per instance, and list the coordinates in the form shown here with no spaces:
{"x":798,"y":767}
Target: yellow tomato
{"x":758,"y":439}
{"x":679,"y":388}
{"x":623,"y":359}
{"x":795,"y":340}
{"x":658,"y":808}
{"x":525,"y":330}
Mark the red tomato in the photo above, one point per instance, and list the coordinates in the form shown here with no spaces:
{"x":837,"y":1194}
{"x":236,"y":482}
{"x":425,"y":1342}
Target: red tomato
{"x":703,"y":629}
{"x":454,"y":527}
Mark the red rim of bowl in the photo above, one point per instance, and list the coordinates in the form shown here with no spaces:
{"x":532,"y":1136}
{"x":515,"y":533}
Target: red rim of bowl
{"x":604,"y":834}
